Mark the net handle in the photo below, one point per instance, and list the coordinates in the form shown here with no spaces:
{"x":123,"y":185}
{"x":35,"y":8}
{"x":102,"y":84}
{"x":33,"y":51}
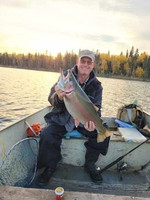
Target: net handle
{"x":30,"y":128}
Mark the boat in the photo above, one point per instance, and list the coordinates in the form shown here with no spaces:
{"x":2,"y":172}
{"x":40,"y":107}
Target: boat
{"x":129,"y":176}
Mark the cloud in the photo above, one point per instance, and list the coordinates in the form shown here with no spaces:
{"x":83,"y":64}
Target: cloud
{"x":135,"y":7}
{"x":104,"y":38}
{"x":14,"y":3}
{"x":108,"y":38}
{"x":145,"y":35}
{"x":87,"y":36}
{"x":109,"y":24}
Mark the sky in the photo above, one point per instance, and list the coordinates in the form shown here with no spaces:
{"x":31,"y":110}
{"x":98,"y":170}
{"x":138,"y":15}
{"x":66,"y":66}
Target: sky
{"x":53,"y":26}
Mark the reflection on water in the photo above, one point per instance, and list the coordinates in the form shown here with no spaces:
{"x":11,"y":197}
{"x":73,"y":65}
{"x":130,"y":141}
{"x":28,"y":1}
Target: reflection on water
{"x":23,"y":92}
{"x":118,"y":92}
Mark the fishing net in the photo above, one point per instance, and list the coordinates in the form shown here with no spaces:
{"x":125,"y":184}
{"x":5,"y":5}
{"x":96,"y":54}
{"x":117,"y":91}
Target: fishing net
{"x":18,"y":167}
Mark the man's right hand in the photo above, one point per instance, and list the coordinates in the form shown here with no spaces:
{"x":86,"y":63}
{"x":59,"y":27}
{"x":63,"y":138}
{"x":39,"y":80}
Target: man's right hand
{"x":60,"y":93}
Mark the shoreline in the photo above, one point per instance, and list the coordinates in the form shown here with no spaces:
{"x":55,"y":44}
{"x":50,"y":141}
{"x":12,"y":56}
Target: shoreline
{"x":99,"y":76}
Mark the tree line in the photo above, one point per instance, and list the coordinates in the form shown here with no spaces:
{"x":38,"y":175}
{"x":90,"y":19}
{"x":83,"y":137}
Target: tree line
{"x":132,"y":64}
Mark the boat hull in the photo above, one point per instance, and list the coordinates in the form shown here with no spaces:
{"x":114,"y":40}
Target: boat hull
{"x":73,"y":150}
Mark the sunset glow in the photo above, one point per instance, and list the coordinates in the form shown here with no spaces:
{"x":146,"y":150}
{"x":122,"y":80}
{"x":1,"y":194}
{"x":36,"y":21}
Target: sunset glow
{"x":55,"y":26}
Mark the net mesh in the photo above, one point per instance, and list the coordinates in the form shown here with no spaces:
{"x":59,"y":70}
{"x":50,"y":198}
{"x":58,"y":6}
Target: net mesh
{"x":18,"y":167}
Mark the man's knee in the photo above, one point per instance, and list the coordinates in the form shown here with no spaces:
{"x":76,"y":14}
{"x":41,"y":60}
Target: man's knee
{"x":101,"y":147}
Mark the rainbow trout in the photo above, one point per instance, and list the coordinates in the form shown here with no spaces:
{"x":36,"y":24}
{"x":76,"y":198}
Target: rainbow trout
{"x":80,"y":106}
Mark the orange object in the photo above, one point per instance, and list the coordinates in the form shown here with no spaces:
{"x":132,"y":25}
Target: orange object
{"x":36,"y":127}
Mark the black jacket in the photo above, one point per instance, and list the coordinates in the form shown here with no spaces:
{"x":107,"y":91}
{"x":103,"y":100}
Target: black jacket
{"x":59,"y":113}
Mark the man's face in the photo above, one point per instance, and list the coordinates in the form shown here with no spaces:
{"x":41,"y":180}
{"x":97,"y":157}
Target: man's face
{"x":85,"y":66}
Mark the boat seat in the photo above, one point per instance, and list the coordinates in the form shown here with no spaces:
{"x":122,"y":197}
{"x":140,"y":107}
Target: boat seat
{"x":73,"y":134}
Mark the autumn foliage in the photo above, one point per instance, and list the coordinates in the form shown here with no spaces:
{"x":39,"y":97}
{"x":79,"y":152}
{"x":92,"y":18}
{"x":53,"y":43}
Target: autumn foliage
{"x":132,"y":64}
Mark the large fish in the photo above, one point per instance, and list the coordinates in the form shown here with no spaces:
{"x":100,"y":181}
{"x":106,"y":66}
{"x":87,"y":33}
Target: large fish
{"x":80,"y":106}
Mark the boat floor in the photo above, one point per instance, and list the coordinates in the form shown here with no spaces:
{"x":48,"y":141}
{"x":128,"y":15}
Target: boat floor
{"x":73,"y":178}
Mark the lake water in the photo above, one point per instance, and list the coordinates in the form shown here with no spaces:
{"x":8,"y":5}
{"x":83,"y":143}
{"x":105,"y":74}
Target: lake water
{"x":23,"y":92}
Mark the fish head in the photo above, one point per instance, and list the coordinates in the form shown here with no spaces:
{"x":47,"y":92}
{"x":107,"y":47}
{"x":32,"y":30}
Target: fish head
{"x":65,"y":82}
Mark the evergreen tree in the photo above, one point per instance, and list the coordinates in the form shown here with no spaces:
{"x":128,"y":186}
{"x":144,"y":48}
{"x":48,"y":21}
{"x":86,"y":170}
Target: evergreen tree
{"x":127,"y":54}
{"x":132,"y":62}
{"x":136,"y":55}
{"x":148,"y":68}
{"x":131,"y":52}
{"x":67,"y":61}
{"x":145,"y":66}
{"x":59,"y":62}
{"x":97,"y":62}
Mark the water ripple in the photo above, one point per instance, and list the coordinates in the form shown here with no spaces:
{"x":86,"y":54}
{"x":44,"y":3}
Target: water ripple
{"x":23,"y":96}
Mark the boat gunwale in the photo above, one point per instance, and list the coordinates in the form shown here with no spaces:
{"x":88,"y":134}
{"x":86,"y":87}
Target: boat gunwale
{"x":46,"y":107}
{"x":24,"y":118}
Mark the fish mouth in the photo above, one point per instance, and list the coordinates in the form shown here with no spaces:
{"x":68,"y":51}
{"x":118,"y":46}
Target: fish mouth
{"x":69,"y":88}
{"x":69,"y":91}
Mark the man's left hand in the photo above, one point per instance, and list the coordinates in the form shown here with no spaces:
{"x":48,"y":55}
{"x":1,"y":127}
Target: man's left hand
{"x":90,"y":126}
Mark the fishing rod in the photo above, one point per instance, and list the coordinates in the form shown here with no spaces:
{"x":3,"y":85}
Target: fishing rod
{"x":121,"y":157}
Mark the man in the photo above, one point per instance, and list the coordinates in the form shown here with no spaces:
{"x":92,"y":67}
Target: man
{"x":60,"y":122}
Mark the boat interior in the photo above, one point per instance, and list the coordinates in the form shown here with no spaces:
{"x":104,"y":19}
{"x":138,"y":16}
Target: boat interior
{"x":126,"y":177}
{"x":129,"y":176}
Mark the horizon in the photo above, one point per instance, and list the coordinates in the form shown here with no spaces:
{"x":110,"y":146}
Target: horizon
{"x":46,"y":53}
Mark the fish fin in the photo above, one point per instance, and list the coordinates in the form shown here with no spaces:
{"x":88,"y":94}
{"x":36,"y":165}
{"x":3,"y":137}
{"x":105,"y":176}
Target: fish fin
{"x":76,"y":123}
{"x":60,"y":83}
{"x":65,"y":77}
{"x":96,"y":108}
{"x":102,"y":137}
{"x":146,"y":128}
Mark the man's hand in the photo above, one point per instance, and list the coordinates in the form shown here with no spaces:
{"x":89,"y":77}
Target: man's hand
{"x":59,"y":92}
{"x":90,"y":126}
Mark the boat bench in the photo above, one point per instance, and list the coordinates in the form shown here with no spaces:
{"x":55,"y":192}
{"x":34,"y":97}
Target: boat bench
{"x":122,"y":141}
{"x":73,"y":149}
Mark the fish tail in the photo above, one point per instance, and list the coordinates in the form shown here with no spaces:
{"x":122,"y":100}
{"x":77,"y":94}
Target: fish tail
{"x":102,"y":137}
